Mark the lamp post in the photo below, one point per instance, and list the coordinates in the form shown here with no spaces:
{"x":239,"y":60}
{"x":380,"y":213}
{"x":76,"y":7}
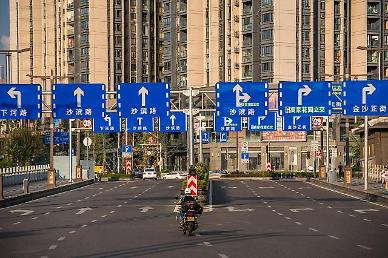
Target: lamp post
{"x":8,"y":53}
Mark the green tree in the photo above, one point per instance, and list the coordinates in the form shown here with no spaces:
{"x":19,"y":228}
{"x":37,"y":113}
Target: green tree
{"x":23,"y":146}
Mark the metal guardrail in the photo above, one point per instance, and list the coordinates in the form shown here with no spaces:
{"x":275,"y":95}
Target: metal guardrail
{"x":16,"y":175}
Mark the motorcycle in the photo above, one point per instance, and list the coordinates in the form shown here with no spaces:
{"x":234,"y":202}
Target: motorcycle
{"x":190,"y":222}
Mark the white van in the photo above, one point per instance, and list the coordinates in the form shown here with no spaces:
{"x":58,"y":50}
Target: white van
{"x":149,"y":173}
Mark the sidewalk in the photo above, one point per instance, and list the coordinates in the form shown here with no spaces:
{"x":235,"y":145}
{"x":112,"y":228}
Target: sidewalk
{"x":376,"y":191}
{"x":15,"y":190}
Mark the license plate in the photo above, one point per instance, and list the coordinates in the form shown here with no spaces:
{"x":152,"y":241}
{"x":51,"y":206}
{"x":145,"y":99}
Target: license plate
{"x":190,"y":219}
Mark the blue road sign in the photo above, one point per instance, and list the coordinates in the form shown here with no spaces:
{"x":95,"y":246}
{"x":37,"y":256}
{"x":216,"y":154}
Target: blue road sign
{"x":241,"y":98}
{"x":175,"y":122}
{"x":227,"y":124}
{"x":305,"y":98}
{"x":365,"y":98}
{"x":336,"y":97}
{"x":73,"y":101}
{"x":296,"y":123}
{"x":140,"y":99}
{"x":126,"y":149}
{"x":59,"y":138}
{"x":263,"y":123}
{"x":20,"y":101}
{"x":244,"y":156}
{"x":140,"y":124}
{"x":110,"y":123}
{"x":205,"y":137}
{"x":224,"y":136}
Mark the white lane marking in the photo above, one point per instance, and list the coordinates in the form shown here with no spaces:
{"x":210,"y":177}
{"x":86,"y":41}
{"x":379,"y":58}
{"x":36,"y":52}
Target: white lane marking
{"x":364,"y":247}
{"x":112,"y":212}
{"x":44,"y":257}
{"x":287,"y":218}
{"x":349,"y":195}
{"x":265,"y":202}
{"x":83,"y":210}
{"x":385,"y":225}
{"x":321,"y":203}
{"x":16,"y":223}
{"x":205,"y":244}
{"x":313,"y":229}
{"x":93,"y":221}
{"x":52,"y":247}
{"x":269,"y":206}
{"x":69,"y":204}
{"x":84,"y":226}
{"x":308,"y":197}
{"x":59,"y":207}
{"x":24,"y":212}
{"x":34,"y":218}
{"x":329,"y":207}
{"x":125,"y":202}
{"x":103,"y":216}
{"x":340,"y":211}
{"x":298,"y":223}
{"x":301,"y":209}
{"x":280,"y":214}
{"x":118,"y":206}
{"x":302,"y":194}
{"x":274,"y":210}
{"x":365,"y":211}
{"x":351,"y":215}
{"x":258,"y":196}
{"x":334,"y":237}
{"x":72,"y":232}
{"x":223,"y":256}
{"x":368,"y":220}
{"x":79,"y":200}
{"x":47,"y":213}
{"x":61,"y":238}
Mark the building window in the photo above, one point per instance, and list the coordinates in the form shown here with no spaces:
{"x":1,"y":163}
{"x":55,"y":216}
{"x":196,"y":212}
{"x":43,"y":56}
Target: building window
{"x":306,"y":68}
{"x":167,"y":36}
{"x":117,"y":40}
{"x":83,"y":11}
{"x":266,"y":34}
{"x":266,"y":50}
{"x":306,"y":36}
{"x":336,"y":40}
{"x":373,"y":40}
{"x":84,"y":25}
{"x":84,"y":77}
{"x":84,"y":51}
{"x":118,"y":53}
{"x":266,"y":2}
{"x":266,"y":17}
{"x":266,"y":67}
{"x":117,"y":27}
{"x":247,"y":71}
{"x":84,"y":38}
{"x":118,"y":66}
{"x":118,"y":14}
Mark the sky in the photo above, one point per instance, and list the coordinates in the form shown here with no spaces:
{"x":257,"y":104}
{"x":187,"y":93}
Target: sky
{"x":4,"y":28}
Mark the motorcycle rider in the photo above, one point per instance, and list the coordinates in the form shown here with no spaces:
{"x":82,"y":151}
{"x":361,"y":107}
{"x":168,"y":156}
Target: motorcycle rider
{"x":188,"y":202}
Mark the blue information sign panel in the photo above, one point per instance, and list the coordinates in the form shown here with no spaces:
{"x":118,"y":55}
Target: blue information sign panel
{"x":305,"y":98}
{"x":140,"y":124}
{"x":297,"y":123}
{"x":336,"y":98}
{"x":73,"y":101}
{"x":244,"y":156}
{"x":224,"y":136}
{"x":241,"y":98}
{"x":175,"y":122}
{"x":126,"y":149}
{"x":110,"y":123}
{"x":205,"y":137}
{"x":20,"y":101}
{"x":59,"y":138}
{"x":365,"y":98}
{"x":227,"y":124}
{"x":263,"y":123}
{"x":140,"y":99}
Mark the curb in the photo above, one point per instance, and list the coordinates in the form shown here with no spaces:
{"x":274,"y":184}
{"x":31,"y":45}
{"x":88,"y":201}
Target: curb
{"x":368,"y":196}
{"x":300,"y":179}
{"x":43,"y":193}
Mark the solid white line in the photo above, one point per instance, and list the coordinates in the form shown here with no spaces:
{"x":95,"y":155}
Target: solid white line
{"x":52,"y":247}
{"x":368,"y":220}
{"x":313,"y":229}
{"x":298,"y":223}
{"x":223,"y":256}
{"x":72,"y":232}
{"x":335,"y":191}
{"x":61,"y":238}
{"x":364,"y":247}
{"x":334,"y":237}
{"x":385,"y":225}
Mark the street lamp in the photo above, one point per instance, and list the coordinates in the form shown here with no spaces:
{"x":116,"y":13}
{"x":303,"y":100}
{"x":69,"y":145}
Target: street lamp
{"x":8,"y":53}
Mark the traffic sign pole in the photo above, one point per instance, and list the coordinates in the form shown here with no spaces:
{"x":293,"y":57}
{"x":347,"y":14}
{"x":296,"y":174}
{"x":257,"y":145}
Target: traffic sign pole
{"x":70,"y":151}
{"x":191,"y":131}
{"x":366,"y":153}
{"x":327,"y":145}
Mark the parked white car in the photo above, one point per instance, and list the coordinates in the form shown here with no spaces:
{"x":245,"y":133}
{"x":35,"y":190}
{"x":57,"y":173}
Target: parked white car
{"x":149,"y":173}
{"x":173,"y":175}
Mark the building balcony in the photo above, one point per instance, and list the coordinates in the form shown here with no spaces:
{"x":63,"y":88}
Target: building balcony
{"x":247,"y":28}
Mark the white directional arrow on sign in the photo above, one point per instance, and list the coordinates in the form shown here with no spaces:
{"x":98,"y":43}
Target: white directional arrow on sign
{"x":303,"y":92}
{"x":143,"y":92}
{"x":83,"y":210}
{"x":245,"y":97}
{"x":16,"y":94}
{"x":79,"y":92}
{"x":108,"y":119}
{"x":139,"y":120}
{"x":259,"y":119}
{"x":301,"y":209}
{"x":227,"y":121}
{"x":294,"y":119}
{"x":145,"y":209}
{"x":237,"y":89}
{"x":24,"y":212}
{"x":365,"y":211}
{"x":172,"y":118}
{"x":368,"y":90}
{"x":232,"y":209}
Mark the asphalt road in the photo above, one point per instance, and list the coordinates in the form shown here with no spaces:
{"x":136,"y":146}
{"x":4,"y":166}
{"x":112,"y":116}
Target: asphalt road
{"x":246,"y":218}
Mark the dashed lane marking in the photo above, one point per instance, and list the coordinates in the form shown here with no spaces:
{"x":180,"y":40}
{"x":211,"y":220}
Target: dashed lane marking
{"x":385,"y":225}
{"x":72,"y":232}
{"x":103,"y":216}
{"x":280,"y":214}
{"x":269,"y":206}
{"x":351,"y":215}
{"x":69,"y":204}
{"x":340,"y":211}
{"x":112,"y":212}
{"x":84,"y":226}
{"x":298,"y":223}
{"x":59,"y":207}
{"x":364,"y":247}
{"x":47,"y":213}
{"x":34,"y":218}
{"x":334,"y":237}
{"x":321,"y":203}
{"x":329,"y":207}
{"x":119,"y":206}
{"x":61,"y":238}
{"x":287,"y":218}
{"x":223,"y":256}
{"x":93,"y":221}
{"x":368,"y":220}
{"x":52,"y":247}
{"x":313,"y":229}
{"x":16,"y":223}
